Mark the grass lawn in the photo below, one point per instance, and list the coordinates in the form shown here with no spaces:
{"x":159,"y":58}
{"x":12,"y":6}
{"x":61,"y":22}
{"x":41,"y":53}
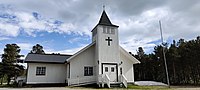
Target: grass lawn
{"x":148,"y":87}
{"x":6,"y":86}
{"x":130,"y":86}
{"x":93,"y":87}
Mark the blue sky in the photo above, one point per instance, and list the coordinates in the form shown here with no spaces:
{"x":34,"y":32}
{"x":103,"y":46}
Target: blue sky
{"x":64,"y":26}
{"x":29,"y":28}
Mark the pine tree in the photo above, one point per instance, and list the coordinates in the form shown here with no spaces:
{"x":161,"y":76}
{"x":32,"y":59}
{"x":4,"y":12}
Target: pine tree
{"x":10,"y":68}
{"x":37,"y":49}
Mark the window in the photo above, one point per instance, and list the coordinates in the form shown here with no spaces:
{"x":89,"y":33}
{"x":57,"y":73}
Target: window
{"x":112,"y":31}
{"x":112,"y":69}
{"x":104,"y":29}
{"x":106,"y":69}
{"x":88,"y":71}
{"x":40,"y":70}
{"x":108,"y":30}
{"x":120,"y":70}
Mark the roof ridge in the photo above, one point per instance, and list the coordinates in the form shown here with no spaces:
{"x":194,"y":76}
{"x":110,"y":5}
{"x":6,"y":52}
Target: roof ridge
{"x":52,"y":54}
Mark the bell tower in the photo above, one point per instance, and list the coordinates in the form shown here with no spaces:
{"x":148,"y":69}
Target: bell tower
{"x":105,"y":35}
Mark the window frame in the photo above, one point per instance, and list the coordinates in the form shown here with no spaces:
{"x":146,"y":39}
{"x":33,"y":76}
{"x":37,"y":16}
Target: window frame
{"x":104,"y":30}
{"x":112,"y":69}
{"x":112,"y":31}
{"x":108,"y":30}
{"x":40,"y":71}
{"x":106,"y":69}
{"x":88,"y":71}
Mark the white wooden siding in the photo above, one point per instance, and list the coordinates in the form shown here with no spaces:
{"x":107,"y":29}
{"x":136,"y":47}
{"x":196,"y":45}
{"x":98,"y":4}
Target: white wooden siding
{"x":127,"y":68}
{"x":55,"y":73}
{"x":86,"y":58}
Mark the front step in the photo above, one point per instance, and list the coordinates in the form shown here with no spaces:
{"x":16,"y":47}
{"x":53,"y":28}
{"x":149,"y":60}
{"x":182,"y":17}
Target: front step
{"x":116,"y":84}
{"x":82,"y":84}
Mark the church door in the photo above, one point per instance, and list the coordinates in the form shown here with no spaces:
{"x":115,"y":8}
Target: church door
{"x":111,"y":71}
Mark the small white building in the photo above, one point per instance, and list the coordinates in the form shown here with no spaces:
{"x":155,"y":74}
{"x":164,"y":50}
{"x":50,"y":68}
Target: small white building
{"x":103,"y":61}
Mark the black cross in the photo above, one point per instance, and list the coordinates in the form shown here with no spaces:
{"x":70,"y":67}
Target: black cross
{"x":108,"y":41}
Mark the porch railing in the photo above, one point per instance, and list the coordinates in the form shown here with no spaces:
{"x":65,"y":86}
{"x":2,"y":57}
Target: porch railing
{"x":81,"y":80}
{"x":107,"y":80}
{"x":124,"y":80}
{"x":104,"y":79}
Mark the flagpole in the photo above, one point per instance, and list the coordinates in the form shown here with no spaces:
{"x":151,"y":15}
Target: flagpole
{"x":164,"y":57}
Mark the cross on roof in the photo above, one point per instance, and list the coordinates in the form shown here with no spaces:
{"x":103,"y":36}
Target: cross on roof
{"x":109,"y":40}
{"x":104,"y":7}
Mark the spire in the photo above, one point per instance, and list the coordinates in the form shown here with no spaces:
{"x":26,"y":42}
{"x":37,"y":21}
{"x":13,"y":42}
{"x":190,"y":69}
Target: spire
{"x":104,"y":20}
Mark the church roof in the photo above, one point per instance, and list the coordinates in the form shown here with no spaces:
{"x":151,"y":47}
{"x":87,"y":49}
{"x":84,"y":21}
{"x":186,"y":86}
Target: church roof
{"x":46,"y":58}
{"x":104,"y":20}
{"x":129,"y":56}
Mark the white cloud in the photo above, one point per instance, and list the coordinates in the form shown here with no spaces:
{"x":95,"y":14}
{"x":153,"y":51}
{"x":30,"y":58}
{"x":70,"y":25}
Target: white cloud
{"x":24,"y":16}
{"x":133,"y":44}
{"x":69,"y":51}
{"x":74,"y":40}
{"x":25,"y":46}
{"x":1,"y":51}
{"x":31,"y":23}
{"x":139,"y":31}
{"x":67,"y":28}
{"x":8,"y":30}
{"x":4,"y":38}
{"x":138,"y":20}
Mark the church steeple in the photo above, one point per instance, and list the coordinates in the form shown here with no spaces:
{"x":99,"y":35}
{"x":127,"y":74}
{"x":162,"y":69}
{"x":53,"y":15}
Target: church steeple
{"x":105,"y":27}
{"x":104,"y":20}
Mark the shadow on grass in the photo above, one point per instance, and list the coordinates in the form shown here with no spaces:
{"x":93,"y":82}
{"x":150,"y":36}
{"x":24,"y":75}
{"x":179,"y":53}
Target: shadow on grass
{"x":8,"y":86}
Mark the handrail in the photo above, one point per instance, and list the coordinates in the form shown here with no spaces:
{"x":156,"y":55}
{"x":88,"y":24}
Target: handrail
{"x":107,"y":80}
{"x":124,"y":80}
{"x":78,"y":80}
{"x":104,"y":79}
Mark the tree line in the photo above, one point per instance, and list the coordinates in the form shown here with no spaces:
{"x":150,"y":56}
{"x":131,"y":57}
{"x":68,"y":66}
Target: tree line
{"x":182,"y":60}
{"x":10,"y":67}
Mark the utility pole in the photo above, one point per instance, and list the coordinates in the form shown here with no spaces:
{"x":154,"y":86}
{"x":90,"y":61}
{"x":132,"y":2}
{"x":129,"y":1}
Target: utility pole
{"x":164,"y":57}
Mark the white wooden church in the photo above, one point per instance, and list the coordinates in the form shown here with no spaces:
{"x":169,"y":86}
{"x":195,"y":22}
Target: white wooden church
{"x":103,"y":62}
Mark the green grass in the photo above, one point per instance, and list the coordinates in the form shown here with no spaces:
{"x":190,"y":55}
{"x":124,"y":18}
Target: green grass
{"x":130,"y":86}
{"x":148,"y":87}
{"x":6,"y":86}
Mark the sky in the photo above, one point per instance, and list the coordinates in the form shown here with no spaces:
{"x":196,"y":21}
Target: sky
{"x":64,"y":26}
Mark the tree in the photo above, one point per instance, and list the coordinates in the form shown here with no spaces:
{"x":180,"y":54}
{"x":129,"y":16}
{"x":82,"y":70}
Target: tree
{"x":37,"y":49}
{"x":173,"y":61}
{"x":182,"y":60}
{"x":9,"y":59}
{"x":140,"y":52}
{"x":1,"y":72}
